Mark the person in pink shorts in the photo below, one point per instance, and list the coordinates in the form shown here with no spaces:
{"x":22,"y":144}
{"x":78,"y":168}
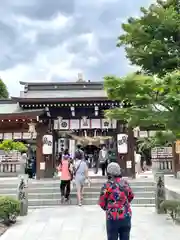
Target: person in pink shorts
{"x":66,"y":169}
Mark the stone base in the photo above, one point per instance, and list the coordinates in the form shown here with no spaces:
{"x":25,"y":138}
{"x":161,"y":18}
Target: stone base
{"x":178,"y":175}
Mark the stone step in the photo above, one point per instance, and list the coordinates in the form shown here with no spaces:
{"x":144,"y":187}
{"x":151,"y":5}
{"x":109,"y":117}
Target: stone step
{"x":57,"y":206}
{"x":51,"y":183}
{"x":57,"y":184}
{"x":56,"y":195}
{"x":86,"y":201}
{"x":52,"y":189}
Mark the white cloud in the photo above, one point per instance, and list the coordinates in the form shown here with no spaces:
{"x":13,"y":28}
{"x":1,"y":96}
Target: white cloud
{"x":42,"y":40}
{"x":50,"y":63}
{"x":56,"y":22}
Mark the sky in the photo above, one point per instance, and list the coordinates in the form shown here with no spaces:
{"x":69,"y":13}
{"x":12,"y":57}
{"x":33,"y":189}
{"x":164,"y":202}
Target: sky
{"x":54,"y":40}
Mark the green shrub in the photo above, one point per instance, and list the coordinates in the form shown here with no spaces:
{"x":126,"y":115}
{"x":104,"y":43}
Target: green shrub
{"x":9,"y":209}
{"x":172,"y":207}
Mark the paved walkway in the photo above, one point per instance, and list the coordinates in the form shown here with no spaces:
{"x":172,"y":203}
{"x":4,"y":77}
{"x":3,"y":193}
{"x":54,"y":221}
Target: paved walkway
{"x":87,"y":223}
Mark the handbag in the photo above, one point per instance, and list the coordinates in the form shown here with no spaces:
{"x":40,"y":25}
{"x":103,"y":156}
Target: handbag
{"x":75,"y":171}
{"x":71,"y":172}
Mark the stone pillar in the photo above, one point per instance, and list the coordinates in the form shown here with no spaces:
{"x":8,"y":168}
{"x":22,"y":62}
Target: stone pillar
{"x":22,"y":193}
{"x":159,"y":191}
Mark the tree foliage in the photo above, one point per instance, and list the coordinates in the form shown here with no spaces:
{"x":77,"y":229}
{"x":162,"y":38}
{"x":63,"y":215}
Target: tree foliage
{"x":152,"y":40}
{"x":147,"y":100}
{"x":3,"y":90}
{"x":161,"y":138}
{"x":8,"y":145}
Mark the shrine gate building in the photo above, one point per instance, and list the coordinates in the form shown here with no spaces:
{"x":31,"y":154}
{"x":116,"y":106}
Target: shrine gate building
{"x":65,"y":111}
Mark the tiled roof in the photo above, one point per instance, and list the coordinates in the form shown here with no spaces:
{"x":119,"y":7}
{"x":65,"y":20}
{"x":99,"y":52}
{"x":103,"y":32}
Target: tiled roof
{"x":6,"y":108}
{"x":13,"y":109}
{"x":65,"y":94}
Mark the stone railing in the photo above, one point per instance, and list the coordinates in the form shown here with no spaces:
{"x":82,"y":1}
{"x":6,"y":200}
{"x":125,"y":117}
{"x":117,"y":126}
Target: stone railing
{"x":172,"y":188}
{"x":162,"y":160}
{"x":165,"y":166}
{"x":9,"y":168}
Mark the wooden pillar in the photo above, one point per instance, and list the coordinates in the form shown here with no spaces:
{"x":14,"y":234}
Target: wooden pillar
{"x":41,"y":130}
{"x":44,"y":163}
{"x":121,"y":157}
{"x":131,"y":148}
{"x":126,"y":160}
{"x":176,"y":162}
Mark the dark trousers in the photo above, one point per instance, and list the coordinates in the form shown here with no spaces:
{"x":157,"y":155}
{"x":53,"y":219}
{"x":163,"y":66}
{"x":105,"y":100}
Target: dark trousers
{"x":104,"y":168}
{"x":96,"y":166}
{"x":118,"y":229}
{"x":65,"y":188}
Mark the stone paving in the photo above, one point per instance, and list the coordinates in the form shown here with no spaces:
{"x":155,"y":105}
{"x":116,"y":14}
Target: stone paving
{"x":87,"y":223}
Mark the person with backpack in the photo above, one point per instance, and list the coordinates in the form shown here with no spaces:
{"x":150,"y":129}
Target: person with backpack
{"x":103,"y":159}
{"x":80,"y":174}
{"x":66,"y":169}
{"x":115,"y":198}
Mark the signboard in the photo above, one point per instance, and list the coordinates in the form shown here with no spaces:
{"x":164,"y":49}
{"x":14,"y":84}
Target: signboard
{"x":17,"y":135}
{"x":122,"y":142}
{"x":178,"y":146}
{"x":1,"y":136}
{"x":26,"y":135}
{"x":129,"y":164}
{"x":7,"y":136}
{"x":143,"y":134}
{"x":42,"y":165}
{"x":47,"y":147}
{"x":161,"y":153}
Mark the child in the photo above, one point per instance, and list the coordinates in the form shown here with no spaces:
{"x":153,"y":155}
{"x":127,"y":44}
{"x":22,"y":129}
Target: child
{"x":66,"y":169}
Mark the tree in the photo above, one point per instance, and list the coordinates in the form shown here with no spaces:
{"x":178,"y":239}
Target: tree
{"x":152,"y":40}
{"x":3,"y":90}
{"x":8,"y":145}
{"x":147,"y":100}
{"x":158,"y":140}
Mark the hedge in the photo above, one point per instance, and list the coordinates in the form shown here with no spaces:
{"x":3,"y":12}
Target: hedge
{"x":172,"y":207}
{"x":9,"y":210}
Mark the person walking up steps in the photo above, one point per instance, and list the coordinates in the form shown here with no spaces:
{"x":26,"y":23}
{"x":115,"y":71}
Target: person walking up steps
{"x":80,"y":175}
{"x":66,"y":169}
{"x":115,"y":198}
{"x":103,"y":159}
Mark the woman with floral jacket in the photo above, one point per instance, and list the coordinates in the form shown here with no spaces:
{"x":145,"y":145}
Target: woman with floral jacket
{"x":115,"y":198}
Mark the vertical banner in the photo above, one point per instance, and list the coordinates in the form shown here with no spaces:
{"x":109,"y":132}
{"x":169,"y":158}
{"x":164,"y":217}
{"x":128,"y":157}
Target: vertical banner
{"x":47,"y":148}
{"x":122,"y":143}
{"x":72,"y":147}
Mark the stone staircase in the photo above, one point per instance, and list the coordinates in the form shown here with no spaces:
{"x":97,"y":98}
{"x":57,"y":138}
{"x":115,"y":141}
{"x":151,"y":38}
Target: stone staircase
{"x":46,"y":193}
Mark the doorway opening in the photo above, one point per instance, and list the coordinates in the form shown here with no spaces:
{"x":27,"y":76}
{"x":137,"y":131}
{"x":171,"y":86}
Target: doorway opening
{"x":91,"y":155}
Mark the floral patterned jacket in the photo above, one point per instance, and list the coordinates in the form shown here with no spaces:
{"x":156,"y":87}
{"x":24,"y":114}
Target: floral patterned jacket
{"x":115,"y":198}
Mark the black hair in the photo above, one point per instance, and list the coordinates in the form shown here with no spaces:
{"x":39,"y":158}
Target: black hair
{"x":66,"y":152}
{"x":110,"y":177}
{"x":79,"y":155}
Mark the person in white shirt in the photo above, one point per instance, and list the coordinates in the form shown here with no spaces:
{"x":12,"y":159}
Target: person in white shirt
{"x":103,"y":159}
{"x":138,"y":163}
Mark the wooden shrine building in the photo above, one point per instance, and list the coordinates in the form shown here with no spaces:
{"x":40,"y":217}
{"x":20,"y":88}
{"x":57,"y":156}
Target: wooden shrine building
{"x":65,"y":111}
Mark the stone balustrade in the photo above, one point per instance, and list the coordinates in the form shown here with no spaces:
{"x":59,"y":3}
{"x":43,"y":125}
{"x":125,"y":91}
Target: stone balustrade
{"x":9,"y":168}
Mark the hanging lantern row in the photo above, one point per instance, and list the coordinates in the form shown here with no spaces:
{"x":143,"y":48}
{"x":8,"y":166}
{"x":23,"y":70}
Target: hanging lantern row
{"x":111,"y":104}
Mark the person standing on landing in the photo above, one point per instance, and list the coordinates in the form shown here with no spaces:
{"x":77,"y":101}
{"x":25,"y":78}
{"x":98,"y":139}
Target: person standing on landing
{"x":66,"y":169}
{"x":115,"y":198}
{"x":103,"y":159}
{"x":80,"y":174}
